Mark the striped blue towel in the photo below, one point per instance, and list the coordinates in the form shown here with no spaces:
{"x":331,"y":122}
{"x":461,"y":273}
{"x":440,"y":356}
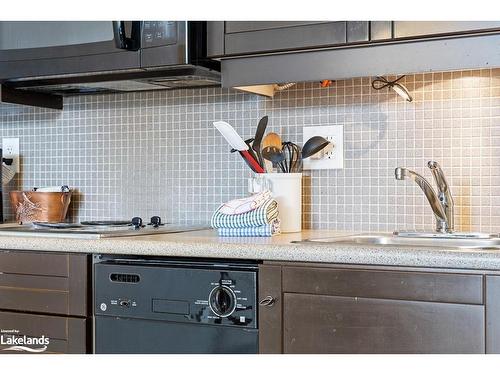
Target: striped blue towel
{"x":262,"y":215}
{"x":268,"y":230}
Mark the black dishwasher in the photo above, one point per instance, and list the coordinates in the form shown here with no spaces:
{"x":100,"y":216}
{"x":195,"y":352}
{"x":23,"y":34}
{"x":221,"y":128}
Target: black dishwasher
{"x":174,"y":306}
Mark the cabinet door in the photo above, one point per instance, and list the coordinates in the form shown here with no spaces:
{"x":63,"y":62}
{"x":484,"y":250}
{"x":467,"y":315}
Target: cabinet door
{"x":329,"y":324}
{"x":245,"y":26}
{"x":408,"y":29}
{"x":66,"y":335}
{"x":45,"y":283}
{"x":380,"y":30}
{"x":270,"y":314}
{"x":358,"y":31}
{"x":493,"y":314}
{"x":253,"y":37}
{"x":466,"y":289}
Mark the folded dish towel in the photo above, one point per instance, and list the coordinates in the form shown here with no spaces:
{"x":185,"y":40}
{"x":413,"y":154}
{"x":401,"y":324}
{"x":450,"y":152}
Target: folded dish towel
{"x":242,"y":205}
{"x":262,"y":215}
{"x":268,"y":230}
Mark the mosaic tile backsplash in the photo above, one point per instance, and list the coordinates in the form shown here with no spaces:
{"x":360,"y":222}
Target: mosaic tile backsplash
{"x":143,"y":154}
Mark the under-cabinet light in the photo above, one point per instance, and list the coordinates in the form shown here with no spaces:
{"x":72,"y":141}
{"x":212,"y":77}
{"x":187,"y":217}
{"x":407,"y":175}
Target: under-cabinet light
{"x":380,"y":82}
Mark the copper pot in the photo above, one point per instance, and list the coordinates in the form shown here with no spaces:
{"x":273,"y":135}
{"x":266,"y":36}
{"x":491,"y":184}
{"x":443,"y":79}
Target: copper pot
{"x":45,"y":207}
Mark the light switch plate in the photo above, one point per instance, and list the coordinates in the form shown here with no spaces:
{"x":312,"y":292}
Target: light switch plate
{"x":329,"y":158}
{"x":10,"y":150}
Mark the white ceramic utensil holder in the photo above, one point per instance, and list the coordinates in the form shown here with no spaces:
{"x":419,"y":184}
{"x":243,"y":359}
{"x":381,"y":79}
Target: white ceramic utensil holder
{"x":287,"y":190}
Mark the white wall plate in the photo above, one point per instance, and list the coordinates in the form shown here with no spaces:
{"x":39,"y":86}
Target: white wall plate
{"x":329,"y":158}
{"x":10,"y":150}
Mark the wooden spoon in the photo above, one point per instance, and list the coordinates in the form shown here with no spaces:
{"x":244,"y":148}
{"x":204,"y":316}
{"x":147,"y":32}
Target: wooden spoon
{"x":272,"y":139}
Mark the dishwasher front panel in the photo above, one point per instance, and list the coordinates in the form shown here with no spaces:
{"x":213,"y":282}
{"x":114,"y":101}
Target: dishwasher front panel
{"x":174,"y":306}
{"x":116,"y":335}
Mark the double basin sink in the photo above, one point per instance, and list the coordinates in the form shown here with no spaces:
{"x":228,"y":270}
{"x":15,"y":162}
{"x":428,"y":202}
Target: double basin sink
{"x":457,"y":240}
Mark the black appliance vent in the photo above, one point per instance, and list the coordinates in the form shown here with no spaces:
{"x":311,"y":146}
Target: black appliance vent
{"x":124,"y":278}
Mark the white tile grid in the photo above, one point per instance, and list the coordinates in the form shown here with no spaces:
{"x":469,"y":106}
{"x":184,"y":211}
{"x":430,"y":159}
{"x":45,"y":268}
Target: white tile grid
{"x":157,"y":153}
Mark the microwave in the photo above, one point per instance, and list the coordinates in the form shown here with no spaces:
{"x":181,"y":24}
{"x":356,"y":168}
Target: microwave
{"x":78,"y":57}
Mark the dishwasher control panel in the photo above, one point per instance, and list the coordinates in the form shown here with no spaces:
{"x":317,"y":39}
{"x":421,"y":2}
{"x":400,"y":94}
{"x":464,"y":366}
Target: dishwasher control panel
{"x":187,"y":293}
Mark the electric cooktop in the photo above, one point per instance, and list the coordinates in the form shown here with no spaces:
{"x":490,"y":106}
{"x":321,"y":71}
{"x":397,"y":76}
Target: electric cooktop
{"x":98,"y":229}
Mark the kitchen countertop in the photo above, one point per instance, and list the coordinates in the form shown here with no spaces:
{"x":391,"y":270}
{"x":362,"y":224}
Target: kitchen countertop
{"x":206,"y":244}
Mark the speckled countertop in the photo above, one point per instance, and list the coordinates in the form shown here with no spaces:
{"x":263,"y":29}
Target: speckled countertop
{"x":206,"y":244}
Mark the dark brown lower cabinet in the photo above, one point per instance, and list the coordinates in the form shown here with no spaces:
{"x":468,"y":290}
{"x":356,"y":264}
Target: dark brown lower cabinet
{"x":329,"y":309}
{"x":328,"y":324}
{"x":66,"y":334}
{"x":492,"y":314}
{"x":46,"y":294}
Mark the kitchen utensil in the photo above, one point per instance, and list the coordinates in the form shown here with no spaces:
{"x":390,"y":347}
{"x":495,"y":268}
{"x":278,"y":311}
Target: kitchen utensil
{"x":236,"y":142}
{"x":287,"y":156}
{"x":254,"y":155}
{"x":292,"y":157}
{"x":275,"y":156}
{"x":249,"y":142}
{"x":314,"y":145}
{"x":297,"y":159}
{"x":270,"y":140}
{"x":250,"y":151}
{"x":31,"y":206}
{"x":259,"y":135}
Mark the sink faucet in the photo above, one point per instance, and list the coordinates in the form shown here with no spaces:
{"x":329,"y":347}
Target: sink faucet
{"x":442,"y":202}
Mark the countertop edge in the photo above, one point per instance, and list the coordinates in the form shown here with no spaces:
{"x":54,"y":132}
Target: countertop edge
{"x":213,"y":247}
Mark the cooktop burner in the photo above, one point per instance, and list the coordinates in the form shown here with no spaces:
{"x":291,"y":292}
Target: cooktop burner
{"x":98,"y":223}
{"x":107,"y":222}
{"x":56,"y":225}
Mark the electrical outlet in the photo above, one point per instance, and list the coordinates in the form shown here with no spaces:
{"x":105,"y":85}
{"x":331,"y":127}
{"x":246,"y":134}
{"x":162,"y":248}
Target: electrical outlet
{"x":10,"y":150}
{"x":332,"y":156}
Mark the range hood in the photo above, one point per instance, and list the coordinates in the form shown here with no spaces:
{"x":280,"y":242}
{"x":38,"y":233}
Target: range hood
{"x":48,"y":92}
{"x":8,"y":95}
{"x":125,"y":56}
{"x":177,"y":77}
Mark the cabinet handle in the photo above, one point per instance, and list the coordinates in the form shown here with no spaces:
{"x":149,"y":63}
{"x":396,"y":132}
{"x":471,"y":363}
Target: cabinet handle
{"x":267,"y":301}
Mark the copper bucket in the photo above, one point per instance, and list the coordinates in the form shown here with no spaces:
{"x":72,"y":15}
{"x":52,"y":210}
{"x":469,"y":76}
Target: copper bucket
{"x":48,"y":207}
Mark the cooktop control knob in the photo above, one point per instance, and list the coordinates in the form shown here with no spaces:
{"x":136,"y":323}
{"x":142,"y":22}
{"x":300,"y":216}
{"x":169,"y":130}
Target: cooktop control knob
{"x":155,"y":221}
{"x":222,"y":301}
{"x":137,"y":222}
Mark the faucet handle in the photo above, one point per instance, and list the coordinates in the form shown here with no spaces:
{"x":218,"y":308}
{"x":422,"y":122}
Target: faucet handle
{"x":438,"y":175}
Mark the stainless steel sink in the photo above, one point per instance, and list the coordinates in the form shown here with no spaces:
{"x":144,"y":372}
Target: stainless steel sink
{"x":424,"y":240}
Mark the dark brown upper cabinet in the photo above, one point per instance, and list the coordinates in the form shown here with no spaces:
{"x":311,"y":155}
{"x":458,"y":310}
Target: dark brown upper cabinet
{"x":257,"y":37}
{"x":417,"y":29}
{"x":261,"y":53}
